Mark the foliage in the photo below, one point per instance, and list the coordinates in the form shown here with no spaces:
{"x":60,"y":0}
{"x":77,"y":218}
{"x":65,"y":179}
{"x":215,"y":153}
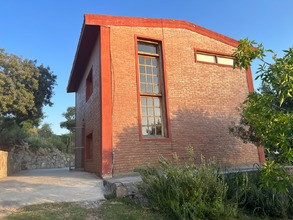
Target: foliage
{"x":10,"y":132}
{"x":246,"y":190}
{"x":57,"y":142}
{"x":36,"y":142}
{"x":268,"y":115}
{"x":187,"y":191}
{"x":70,"y":119}
{"x":45,"y":131}
{"x":24,"y":88}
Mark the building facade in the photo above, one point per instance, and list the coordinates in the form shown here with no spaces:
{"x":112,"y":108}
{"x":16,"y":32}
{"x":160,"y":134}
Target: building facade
{"x":149,"y":87}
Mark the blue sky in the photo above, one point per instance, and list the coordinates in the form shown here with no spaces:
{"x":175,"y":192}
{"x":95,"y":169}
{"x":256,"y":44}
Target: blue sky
{"x":48,"y":30}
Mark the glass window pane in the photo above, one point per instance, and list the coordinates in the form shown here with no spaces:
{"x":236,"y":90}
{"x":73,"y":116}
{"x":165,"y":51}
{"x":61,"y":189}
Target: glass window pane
{"x":148,"y":70}
{"x":151,"y":120}
{"x":148,"y":61}
{"x":158,"y":130}
{"x":206,"y":58}
{"x":149,"y":88}
{"x":150,"y":111}
{"x":151,"y":130}
{"x":141,"y":60}
{"x":144,"y":121}
{"x":149,"y":79}
{"x":155,"y":71}
{"x":141,"y":69}
{"x":150,"y":101}
{"x":157,"y":112}
{"x":158,"y":121}
{"x":142,"y":87}
{"x":143,"y":101}
{"x":154,"y":62}
{"x":148,"y":48}
{"x":156,"y":89}
{"x":143,"y":111}
{"x":226,"y":61}
{"x":142,"y":78}
{"x":157,"y":102}
{"x":144,"y":130}
{"x":156,"y":80}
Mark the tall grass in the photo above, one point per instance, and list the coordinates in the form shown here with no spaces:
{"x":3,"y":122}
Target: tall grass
{"x":247,"y":191}
{"x":187,"y":191}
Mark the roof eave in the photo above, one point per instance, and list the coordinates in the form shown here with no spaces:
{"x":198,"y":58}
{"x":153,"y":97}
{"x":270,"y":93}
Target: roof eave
{"x":88,"y":37}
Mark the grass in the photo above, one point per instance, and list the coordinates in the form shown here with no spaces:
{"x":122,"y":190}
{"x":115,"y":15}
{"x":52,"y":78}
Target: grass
{"x":118,"y":208}
{"x":52,"y":211}
{"x":113,"y":209}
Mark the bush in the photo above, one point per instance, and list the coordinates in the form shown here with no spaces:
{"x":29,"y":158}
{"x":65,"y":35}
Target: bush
{"x":36,"y":142}
{"x":57,"y":142}
{"x":10,"y":132}
{"x":187,"y":191}
{"x":246,"y":190}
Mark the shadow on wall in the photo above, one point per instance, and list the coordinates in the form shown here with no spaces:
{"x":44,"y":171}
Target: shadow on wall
{"x":206,"y":131}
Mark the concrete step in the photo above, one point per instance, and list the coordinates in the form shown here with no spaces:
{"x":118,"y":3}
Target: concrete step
{"x":123,"y":185}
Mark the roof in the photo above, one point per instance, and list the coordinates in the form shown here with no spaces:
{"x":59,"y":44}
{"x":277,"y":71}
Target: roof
{"x":90,"y":31}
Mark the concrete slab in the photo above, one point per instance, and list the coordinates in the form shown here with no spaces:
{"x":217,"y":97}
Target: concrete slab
{"x":122,"y":185}
{"x":48,"y":185}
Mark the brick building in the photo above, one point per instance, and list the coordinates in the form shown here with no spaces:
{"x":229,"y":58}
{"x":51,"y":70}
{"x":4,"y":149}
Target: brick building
{"x":146,"y":87}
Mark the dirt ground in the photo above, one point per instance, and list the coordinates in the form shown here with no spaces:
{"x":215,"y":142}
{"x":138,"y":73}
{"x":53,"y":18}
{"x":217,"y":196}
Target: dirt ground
{"x":48,"y":185}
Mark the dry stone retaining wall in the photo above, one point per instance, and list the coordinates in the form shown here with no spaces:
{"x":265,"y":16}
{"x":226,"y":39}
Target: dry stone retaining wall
{"x":23,"y":158}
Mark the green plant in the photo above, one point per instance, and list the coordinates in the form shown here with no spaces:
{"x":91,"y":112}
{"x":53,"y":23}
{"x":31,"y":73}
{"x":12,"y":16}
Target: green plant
{"x":10,"y":132}
{"x":247,"y":190}
{"x":36,"y":142}
{"x":57,"y":142}
{"x":187,"y":191}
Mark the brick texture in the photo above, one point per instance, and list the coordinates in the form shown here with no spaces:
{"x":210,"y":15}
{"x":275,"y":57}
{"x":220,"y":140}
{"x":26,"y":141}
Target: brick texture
{"x":88,"y":116}
{"x":202,"y":101}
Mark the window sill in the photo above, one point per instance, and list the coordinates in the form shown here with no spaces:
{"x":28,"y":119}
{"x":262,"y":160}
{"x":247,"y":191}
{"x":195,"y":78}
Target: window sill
{"x":158,"y":139}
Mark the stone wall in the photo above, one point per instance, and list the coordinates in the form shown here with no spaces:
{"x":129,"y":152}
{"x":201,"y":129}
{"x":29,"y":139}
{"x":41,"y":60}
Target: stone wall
{"x":3,"y":163}
{"x":23,"y":158}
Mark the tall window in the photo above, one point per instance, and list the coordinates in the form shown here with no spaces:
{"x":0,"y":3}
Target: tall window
{"x":89,"y":84}
{"x":152,"y":100}
{"x":89,"y":146}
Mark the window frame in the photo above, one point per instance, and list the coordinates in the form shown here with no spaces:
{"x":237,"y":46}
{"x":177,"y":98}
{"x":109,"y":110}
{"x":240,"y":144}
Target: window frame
{"x":163,"y":96}
{"x":215,"y":54}
{"x":89,"y":146}
{"x":89,"y":87}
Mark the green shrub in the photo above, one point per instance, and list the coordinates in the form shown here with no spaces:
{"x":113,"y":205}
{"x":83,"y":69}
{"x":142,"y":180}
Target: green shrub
{"x":57,"y":142}
{"x":10,"y":132}
{"x":36,"y":142}
{"x":246,"y":189}
{"x":187,"y":191}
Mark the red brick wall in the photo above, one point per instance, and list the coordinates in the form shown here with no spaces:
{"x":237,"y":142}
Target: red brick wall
{"x":202,"y":100}
{"x":88,"y":113}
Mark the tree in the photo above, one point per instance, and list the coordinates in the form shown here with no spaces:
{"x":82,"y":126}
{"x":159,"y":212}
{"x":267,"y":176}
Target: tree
{"x":267,"y":115}
{"x":70,"y":119}
{"x":45,"y":131}
{"x":24,"y":88}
